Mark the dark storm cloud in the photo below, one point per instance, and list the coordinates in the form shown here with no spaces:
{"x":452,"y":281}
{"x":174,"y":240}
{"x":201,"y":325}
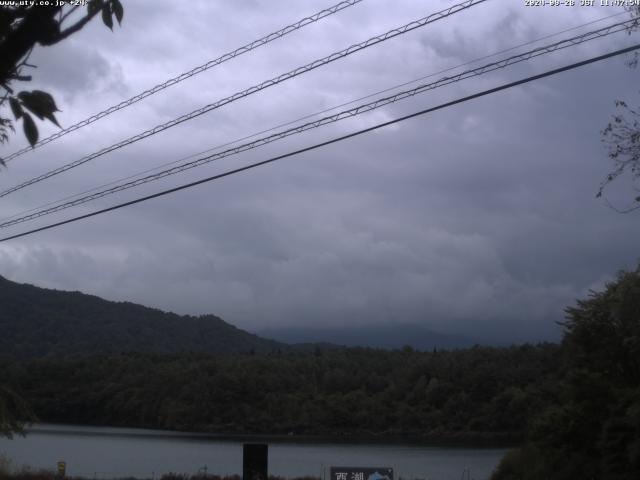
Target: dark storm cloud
{"x":479,"y":219}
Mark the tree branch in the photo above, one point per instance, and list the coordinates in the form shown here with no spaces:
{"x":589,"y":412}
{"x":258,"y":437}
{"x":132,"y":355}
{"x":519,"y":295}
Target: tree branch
{"x":76,"y":26}
{"x":620,"y":210}
{"x":36,"y":27}
{"x":63,"y":17}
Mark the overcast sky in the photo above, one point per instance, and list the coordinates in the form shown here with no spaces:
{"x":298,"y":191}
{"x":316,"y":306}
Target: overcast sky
{"x":479,"y":219}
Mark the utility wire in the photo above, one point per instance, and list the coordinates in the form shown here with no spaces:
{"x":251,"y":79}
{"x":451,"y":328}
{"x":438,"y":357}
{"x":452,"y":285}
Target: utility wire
{"x":291,"y":122}
{"x":195,"y":71}
{"x":256,"y":88}
{"x":573,"y":41}
{"x":333,"y":140}
{"x":305,"y":117}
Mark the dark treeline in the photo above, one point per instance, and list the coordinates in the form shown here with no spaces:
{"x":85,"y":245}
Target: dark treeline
{"x":591,"y":430}
{"x":477,"y":393}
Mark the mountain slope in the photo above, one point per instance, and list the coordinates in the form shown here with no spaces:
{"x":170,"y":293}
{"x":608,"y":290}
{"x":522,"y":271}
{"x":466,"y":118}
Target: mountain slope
{"x":39,"y":322}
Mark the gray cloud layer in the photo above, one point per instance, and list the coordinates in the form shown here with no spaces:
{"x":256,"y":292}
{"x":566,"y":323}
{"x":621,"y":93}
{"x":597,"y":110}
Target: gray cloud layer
{"x":479,"y":219}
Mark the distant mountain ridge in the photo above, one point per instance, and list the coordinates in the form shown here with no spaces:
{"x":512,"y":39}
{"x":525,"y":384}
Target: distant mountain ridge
{"x":39,"y":322}
{"x":385,"y":336}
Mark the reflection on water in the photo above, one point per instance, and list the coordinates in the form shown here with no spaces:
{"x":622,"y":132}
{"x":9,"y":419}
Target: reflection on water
{"x":112,"y":452}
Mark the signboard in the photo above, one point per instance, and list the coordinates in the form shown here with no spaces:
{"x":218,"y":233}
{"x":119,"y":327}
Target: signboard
{"x":361,"y":473}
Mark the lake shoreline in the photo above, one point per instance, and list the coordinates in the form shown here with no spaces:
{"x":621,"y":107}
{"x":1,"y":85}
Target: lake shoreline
{"x":457,"y":440}
{"x":101,"y":453}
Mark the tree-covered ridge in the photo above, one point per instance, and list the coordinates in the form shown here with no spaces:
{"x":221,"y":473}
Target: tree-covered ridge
{"x":481,"y":393}
{"x":592,"y":428}
{"x":39,"y":322}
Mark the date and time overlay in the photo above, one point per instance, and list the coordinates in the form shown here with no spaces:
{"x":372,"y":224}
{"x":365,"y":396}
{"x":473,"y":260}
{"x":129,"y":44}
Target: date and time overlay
{"x":526,"y":3}
{"x":581,"y":3}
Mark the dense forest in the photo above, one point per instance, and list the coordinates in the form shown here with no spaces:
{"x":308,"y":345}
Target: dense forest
{"x":477,"y":393}
{"x":592,"y":427}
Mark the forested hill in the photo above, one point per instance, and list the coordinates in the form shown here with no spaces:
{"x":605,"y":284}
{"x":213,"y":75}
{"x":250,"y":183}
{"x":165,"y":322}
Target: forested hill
{"x":38,"y":322}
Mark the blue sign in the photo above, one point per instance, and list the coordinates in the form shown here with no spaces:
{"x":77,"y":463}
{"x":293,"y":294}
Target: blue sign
{"x":361,"y":473}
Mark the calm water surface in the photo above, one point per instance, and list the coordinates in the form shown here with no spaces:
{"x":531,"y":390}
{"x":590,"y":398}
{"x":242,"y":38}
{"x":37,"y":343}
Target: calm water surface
{"x":112,"y":452}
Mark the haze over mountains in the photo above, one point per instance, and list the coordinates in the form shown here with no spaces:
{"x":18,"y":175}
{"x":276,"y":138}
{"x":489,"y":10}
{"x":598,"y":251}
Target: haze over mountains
{"x":387,"y":336}
{"x":38,"y":322}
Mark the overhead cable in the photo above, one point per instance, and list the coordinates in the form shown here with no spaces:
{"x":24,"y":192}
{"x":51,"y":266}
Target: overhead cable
{"x":195,"y":71}
{"x":329,"y":142}
{"x":569,"y":42}
{"x":306,"y":117}
{"x":256,"y":88}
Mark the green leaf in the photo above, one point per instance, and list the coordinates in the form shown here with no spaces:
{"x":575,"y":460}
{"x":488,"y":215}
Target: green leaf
{"x":30,"y":129}
{"x":16,"y":108}
{"x":117,"y":10}
{"x":53,"y":120}
{"x":94,"y":6}
{"x":46,"y":99}
{"x":41,"y":104}
{"x":106,"y":15}
{"x":31,"y":103}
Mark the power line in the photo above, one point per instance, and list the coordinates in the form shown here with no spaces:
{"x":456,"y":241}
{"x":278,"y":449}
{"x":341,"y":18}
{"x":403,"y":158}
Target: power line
{"x":334,"y":140}
{"x":305,"y":117}
{"x":256,"y":88}
{"x":195,"y":71}
{"x":525,"y":56}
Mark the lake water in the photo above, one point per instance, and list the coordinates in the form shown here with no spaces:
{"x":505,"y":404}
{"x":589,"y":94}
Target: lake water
{"x":116,"y":452}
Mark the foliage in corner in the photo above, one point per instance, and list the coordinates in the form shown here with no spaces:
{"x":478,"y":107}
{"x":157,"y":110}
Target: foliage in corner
{"x":621,"y":137}
{"x":593,"y":429}
{"x":14,"y":413}
{"x":23,"y":27}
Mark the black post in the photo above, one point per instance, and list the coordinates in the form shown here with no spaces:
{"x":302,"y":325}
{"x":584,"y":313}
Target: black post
{"x":255,"y":461}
